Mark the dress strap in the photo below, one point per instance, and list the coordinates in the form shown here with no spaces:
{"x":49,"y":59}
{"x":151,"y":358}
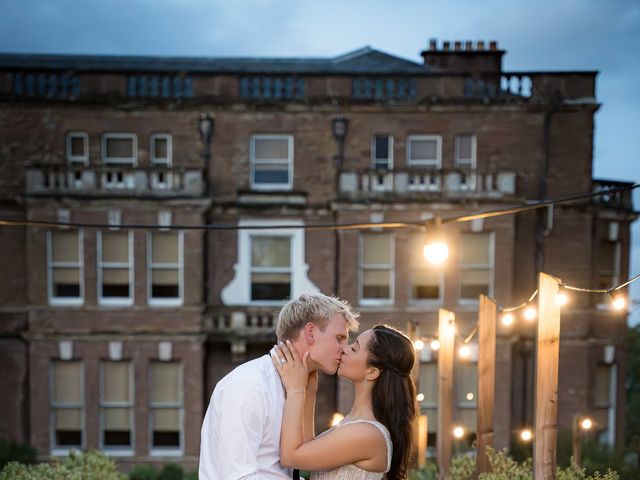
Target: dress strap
{"x":385,"y":433}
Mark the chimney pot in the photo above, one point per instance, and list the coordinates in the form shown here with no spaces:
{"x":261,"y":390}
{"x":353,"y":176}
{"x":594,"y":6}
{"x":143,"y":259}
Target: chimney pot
{"x":457,"y":45}
{"x":468,"y":45}
{"x":433,"y":44}
{"x":480,"y":45}
{"x":493,"y":45}
{"x":445,"y":45}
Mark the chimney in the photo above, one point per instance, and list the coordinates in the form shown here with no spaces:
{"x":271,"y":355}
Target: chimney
{"x":433,"y":44}
{"x":457,"y":45}
{"x":480,"y":46}
{"x":468,"y":45}
{"x":445,"y":45}
{"x":463,"y":57}
{"x":493,"y":45}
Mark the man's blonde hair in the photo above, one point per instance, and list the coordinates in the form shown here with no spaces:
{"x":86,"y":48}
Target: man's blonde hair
{"x":316,"y":308}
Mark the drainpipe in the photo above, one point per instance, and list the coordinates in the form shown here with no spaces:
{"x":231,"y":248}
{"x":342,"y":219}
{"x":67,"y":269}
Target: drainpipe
{"x":339,"y":127}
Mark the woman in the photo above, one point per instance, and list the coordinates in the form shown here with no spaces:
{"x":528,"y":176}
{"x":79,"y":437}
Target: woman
{"x":376,"y":437}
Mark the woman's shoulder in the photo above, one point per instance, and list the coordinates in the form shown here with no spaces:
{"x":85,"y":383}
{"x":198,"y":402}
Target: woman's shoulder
{"x":369,"y":427}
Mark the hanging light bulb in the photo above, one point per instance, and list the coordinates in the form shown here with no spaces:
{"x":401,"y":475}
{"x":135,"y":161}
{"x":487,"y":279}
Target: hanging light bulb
{"x":451,"y":328}
{"x":507,"y":319}
{"x":561,"y":297}
{"x":420,"y":397}
{"x":436,"y":252}
{"x":530,"y":313}
{"x":418,"y":344}
{"x":618,"y":302}
{"x":526,"y":435}
{"x":464,"y":351}
{"x":470,"y":396}
{"x":435,"y":344}
{"x":458,"y":432}
{"x":586,"y":423}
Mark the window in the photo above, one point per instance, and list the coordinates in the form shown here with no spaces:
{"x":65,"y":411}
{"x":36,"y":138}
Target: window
{"x":369,"y":88}
{"x":166,"y":408}
{"x":382,"y":152}
{"x":78,"y":147}
{"x":65,"y":267}
{"x":48,"y":85}
{"x":271,"y":162}
{"x":608,"y":269}
{"x":376,"y":268}
{"x":466,"y":392}
{"x":67,"y":406}
{"x":165,"y":268}
{"x":271,"y":88}
{"x":115,"y":268}
{"x":159,"y":86}
{"x":476,"y":266}
{"x":270,"y":268}
{"x":426,"y":278}
{"x":466,"y":151}
{"x":424,"y":151}
{"x":605,"y":402}
{"x":119,"y":148}
{"x":116,"y":406}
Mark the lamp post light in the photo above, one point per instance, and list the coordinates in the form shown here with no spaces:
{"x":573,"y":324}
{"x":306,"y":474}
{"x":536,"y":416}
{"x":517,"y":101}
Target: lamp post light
{"x":205,"y":128}
{"x":578,"y":426}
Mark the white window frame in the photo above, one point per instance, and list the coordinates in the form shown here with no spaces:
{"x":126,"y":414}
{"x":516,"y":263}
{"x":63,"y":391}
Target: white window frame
{"x":165,"y":302}
{"x":427,"y":301}
{"x":65,"y":301}
{"x":253,"y":269}
{"x":466,"y":163}
{"x":83,"y":159}
{"x":116,"y":301}
{"x":132,"y":161}
{"x":167,"y":451}
{"x":164,"y":161}
{"x":288,"y":163}
{"x":491,"y":266}
{"x":425,"y":163}
{"x":373,"y":151}
{"x":56,"y":450}
{"x":391,"y":267}
{"x":117,"y":451}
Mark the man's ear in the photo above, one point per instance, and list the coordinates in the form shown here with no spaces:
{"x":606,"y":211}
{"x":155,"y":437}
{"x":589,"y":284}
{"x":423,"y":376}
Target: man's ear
{"x":372,"y":373}
{"x":309,"y":333}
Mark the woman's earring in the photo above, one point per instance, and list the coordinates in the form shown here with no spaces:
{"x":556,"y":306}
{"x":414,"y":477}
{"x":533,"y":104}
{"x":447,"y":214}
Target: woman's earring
{"x":365,"y":382}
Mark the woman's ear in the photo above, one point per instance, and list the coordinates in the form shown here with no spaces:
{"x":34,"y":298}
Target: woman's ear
{"x":372,"y":373}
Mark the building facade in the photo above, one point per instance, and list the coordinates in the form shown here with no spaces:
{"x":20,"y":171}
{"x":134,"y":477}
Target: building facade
{"x":115,"y":328}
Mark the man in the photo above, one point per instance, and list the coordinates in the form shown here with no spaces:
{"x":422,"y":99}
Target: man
{"x":240,"y":436}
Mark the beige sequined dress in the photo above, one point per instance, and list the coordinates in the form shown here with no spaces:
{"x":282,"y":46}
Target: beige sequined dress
{"x":351,"y":472}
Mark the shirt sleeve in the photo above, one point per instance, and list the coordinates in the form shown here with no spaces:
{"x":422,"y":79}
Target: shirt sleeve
{"x":241,"y":417}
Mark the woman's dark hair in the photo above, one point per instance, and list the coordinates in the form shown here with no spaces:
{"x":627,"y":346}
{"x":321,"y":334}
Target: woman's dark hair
{"x":394,"y":394}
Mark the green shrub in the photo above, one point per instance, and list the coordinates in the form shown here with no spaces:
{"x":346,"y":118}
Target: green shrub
{"x":77,"y":466}
{"x":144,"y":472}
{"x":428,"y":472}
{"x":11,"y":451}
{"x":172,"y":471}
{"x":194,"y":475}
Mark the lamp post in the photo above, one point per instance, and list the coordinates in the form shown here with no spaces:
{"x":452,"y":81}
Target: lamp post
{"x":580,"y":424}
{"x":205,"y":128}
{"x":339,"y":126}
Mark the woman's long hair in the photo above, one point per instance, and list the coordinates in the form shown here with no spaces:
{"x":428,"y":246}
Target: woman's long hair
{"x":394,"y":394}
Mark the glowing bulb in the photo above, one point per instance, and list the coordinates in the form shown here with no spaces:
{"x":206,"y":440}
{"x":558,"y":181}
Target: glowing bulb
{"x":436,"y":253}
{"x":562,"y":298}
{"x":418,"y":344}
{"x":530,"y":313}
{"x":469,"y":396}
{"x":586,"y":424}
{"x":458,"y":432}
{"x":526,"y":435}
{"x":336,"y":419}
{"x":464,"y":351}
{"x":619,"y":302}
{"x":435,"y":344}
{"x":420,"y":397}
{"x":450,"y":328}
{"x":507,"y":319}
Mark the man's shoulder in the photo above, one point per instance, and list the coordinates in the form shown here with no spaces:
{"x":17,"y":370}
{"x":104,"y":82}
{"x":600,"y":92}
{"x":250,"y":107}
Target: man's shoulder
{"x":254,"y":372}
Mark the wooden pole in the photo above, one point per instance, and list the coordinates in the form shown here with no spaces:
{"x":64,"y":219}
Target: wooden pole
{"x":576,"y":440}
{"x":486,"y":381}
{"x":547,"y":353}
{"x":446,"y":336}
{"x":423,"y":432}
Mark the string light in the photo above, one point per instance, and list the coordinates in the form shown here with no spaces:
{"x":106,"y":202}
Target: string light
{"x":450,"y":328}
{"x":526,"y":435}
{"x":464,"y":351}
{"x":530,"y":313}
{"x":418,"y":344}
{"x":435,"y":344}
{"x":561,"y":297}
{"x":618,"y":302}
{"x":458,"y":432}
{"x":470,"y":396}
{"x":586,"y":423}
{"x":507,"y":319}
{"x":436,"y":253}
{"x":420,"y":397}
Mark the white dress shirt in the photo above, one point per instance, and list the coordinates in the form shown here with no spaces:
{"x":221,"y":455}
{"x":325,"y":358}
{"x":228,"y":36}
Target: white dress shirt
{"x":240,"y":436}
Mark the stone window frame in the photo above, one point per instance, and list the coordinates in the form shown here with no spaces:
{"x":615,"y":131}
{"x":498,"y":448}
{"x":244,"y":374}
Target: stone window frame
{"x":75,"y":159}
{"x":491,"y":266}
{"x":65,"y":301}
{"x":167,"y":451}
{"x":390,"y":150}
{"x":471,"y":163}
{"x":115,"y":301}
{"x":425,"y":302}
{"x":165,"y":302}
{"x":56,"y":450}
{"x":290,"y":160}
{"x":125,"y":161}
{"x":117,"y":451}
{"x":390,"y":266}
{"x":252,"y":269}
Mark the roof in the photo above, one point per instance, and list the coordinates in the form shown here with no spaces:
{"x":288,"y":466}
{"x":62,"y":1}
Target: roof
{"x":362,"y":61}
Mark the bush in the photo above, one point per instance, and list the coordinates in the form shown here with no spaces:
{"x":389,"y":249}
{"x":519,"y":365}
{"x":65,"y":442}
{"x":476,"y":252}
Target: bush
{"x":144,"y":472}
{"x":428,"y":472}
{"x":16,"y":452}
{"x":172,"y":471}
{"x":194,"y":475}
{"x":77,"y":466}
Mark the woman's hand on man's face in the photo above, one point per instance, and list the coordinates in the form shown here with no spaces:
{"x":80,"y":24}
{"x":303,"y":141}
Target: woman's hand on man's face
{"x":293,"y":370}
